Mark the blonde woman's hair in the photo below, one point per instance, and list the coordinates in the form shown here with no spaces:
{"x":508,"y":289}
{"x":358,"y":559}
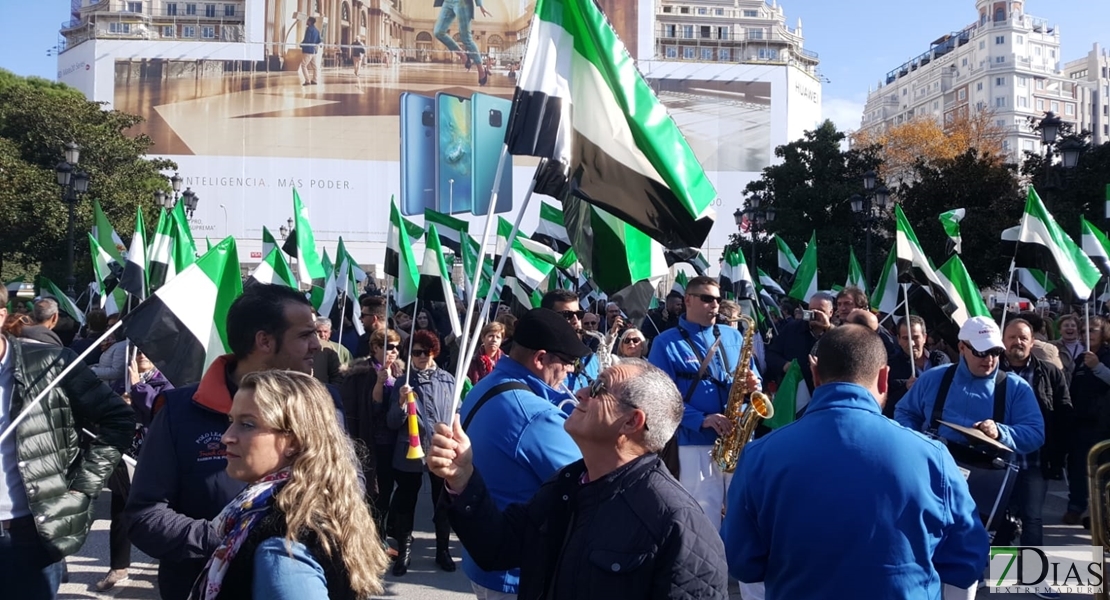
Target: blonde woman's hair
{"x":493,"y":327}
{"x":322,"y":495}
{"x":379,"y":337}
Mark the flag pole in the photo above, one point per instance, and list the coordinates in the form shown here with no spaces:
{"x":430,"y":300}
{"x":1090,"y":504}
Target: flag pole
{"x":342,"y":313}
{"x":80,"y":360}
{"x":412,"y":334}
{"x":909,"y":328}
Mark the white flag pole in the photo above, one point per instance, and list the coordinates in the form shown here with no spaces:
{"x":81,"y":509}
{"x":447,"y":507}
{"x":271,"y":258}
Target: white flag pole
{"x":909,"y":328}
{"x":80,"y":360}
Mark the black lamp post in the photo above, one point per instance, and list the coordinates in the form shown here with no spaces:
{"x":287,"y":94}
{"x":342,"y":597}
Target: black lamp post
{"x":190,"y":199}
{"x":74,"y":184}
{"x":869,"y":209}
{"x":757,"y":222}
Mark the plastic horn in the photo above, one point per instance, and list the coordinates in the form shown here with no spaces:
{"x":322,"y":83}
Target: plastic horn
{"x":415,"y":451}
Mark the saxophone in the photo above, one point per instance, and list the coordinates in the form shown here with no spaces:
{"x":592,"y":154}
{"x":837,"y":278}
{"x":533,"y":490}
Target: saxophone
{"x":605,"y":358}
{"x":727,"y":448}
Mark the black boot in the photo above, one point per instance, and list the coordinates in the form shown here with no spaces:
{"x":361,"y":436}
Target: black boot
{"x":444,"y":560}
{"x":404,"y":554}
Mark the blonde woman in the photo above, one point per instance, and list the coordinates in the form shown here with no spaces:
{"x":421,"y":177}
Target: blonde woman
{"x":282,"y":537}
{"x":632,"y":344}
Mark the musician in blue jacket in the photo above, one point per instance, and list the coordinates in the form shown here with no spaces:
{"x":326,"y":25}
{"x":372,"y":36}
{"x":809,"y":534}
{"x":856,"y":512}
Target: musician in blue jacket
{"x":680,"y":352}
{"x":905,"y":522}
{"x":970,"y":399}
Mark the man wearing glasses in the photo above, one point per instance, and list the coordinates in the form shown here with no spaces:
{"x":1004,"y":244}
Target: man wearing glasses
{"x":611,"y":525}
{"x":701,"y":356}
{"x":565,"y":303}
{"x":970,"y":397}
{"x":517,"y":428}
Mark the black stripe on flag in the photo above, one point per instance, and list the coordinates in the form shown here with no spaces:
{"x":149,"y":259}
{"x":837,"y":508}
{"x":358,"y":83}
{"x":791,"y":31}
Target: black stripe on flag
{"x":166,"y":341}
{"x":534,"y":124}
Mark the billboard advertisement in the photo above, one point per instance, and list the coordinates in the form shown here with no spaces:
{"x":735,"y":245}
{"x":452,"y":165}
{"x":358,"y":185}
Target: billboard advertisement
{"x":397,"y":99}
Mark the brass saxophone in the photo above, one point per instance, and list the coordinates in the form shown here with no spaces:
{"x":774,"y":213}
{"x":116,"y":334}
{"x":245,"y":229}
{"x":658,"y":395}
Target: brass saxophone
{"x":727,"y":448}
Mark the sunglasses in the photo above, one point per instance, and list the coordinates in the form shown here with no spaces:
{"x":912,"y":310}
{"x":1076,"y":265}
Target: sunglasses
{"x":599,"y":387}
{"x":632,"y":340}
{"x":994,"y":352}
{"x":708,"y":298}
{"x":419,"y":352}
{"x":566,"y":360}
{"x":392,"y":347}
{"x":567,"y":314}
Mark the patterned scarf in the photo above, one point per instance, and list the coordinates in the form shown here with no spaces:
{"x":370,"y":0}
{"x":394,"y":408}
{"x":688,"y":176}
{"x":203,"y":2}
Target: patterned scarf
{"x":234,"y":523}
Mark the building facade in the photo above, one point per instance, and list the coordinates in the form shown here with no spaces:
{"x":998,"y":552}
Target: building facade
{"x":729,"y":31}
{"x":1092,"y":74}
{"x":155,"y":20}
{"x":1006,"y":62}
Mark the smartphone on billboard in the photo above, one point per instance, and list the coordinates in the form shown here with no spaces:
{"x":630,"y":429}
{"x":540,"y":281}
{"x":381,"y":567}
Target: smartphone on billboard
{"x":418,"y":151}
{"x":454,"y":158}
{"x":490,"y":118}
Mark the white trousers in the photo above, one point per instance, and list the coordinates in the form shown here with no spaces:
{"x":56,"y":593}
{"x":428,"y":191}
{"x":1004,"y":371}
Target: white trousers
{"x":705,"y":482}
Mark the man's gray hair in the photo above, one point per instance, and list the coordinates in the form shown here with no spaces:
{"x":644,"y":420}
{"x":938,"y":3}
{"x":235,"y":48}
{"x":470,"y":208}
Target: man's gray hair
{"x":822,"y":297}
{"x":653,"y":392}
{"x":44,"y":310}
{"x":323,"y":322}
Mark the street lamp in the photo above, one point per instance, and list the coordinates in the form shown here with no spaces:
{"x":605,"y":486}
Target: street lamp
{"x":175,"y":184}
{"x":1069,"y":150}
{"x":284,"y":231}
{"x":74,"y":184}
{"x":869,"y":209}
{"x":1050,"y":128}
{"x":190,"y":199}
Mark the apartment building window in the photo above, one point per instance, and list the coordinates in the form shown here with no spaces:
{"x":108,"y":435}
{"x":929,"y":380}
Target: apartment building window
{"x":188,"y":31}
{"x":752,"y":14}
{"x":167,"y":31}
{"x":1052,"y":53}
{"x":707,"y":54}
{"x":1000,"y":81}
{"x":117,"y":27}
{"x":1036,"y":50}
{"x":672,"y":52}
{"x":1022,"y":102}
{"x":724,"y":55}
{"x":755,"y":34}
{"x":963,"y":63}
{"x":999,"y":59}
{"x":1020,"y":39}
{"x":962,"y":94}
{"x":1040,"y":84}
{"x":1000,"y":123}
{"x":722,"y":33}
{"x":979,"y":106}
{"x":208,"y":32}
{"x":135,"y":7}
{"x":190,"y":8}
{"x":1022,"y":81}
{"x":1040,"y":105}
{"x":666,"y":9}
{"x":171,"y":9}
{"x":1028,"y":145}
{"x":229,"y":10}
{"x":684,"y":10}
{"x":669,"y":30}
{"x":999,"y":39}
{"x":1054,"y":106}
{"x":982,"y":45}
{"x":688,"y":53}
{"x":768,"y":54}
{"x":688,"y":32}
{"x":979,"y":86}
{"x":1000,"y":102}
{"x":936,"y":104}
{"x":210,"y":10}
{"x":720,"y":12}
{"x":702,"y":10}
{"x":1069,"y":110}
{"x":703,"y":32}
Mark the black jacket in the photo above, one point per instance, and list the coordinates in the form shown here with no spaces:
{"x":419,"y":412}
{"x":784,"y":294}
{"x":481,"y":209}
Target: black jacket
{"x":1050,"y":386}
{"x":793,"y":342}
{"x":636,"y":533}
{"x":59,"y":478}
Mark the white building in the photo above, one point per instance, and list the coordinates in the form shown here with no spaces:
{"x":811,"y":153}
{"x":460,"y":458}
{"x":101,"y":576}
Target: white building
{"x":1006,"y":62}
{"x":1092,"y":73}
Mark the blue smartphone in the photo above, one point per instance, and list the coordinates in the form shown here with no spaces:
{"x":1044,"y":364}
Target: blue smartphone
{"x":454,"y":153}
{"x":490,"y":117}
{"x":418,"y":151}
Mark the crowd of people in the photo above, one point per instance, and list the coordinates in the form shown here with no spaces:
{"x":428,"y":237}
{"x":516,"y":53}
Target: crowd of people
{"x":580,"y":463}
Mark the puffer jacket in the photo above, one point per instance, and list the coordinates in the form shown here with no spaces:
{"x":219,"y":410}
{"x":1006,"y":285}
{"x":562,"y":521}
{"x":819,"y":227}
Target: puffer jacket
{"x":61,"y":479}
{"x":633,"y":533}
{"x":433,"y":389}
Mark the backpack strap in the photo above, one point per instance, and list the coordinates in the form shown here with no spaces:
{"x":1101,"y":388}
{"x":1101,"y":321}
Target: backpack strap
{"x":999,"y":395}
{"x":490,"y":393}
{"x":942,"y":397}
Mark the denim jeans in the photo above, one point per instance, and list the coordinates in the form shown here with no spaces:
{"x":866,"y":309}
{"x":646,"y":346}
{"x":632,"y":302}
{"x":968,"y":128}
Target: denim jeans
{"x":26,"y":570}
{"x":464,"y":11}
{"x":1027,"y":504}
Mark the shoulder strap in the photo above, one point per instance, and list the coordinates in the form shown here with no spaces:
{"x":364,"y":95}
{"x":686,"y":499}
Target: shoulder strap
{"x":999,"y":395}
{"x":490,"y":393}
{"x":942,"y":396}
{"x":702,"y":368}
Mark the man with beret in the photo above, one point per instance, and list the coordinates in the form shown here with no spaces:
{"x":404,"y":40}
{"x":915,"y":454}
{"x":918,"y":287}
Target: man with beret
{"x":516,"y":427}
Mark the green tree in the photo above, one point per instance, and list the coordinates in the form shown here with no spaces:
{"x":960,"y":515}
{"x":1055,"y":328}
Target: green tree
{"x":37,"y":118}
{"x":809,"y":190}
{"x":994,"y":200}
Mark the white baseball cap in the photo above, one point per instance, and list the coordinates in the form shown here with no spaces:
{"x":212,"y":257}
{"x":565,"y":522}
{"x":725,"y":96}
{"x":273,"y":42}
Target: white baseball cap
{"x":981,"y":333}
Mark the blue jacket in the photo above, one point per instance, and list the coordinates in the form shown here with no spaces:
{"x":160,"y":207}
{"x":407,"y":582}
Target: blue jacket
{"x":970,"y":400}
{"x":584,"y":375}
{"x":311,"y":40}
{"x":181,"y":482}
{"x":519,"y":443}
{"x":281,"y":574}
{"x":845,"y":503}
{"x":674,"y":355}
{"x":434,"y":388}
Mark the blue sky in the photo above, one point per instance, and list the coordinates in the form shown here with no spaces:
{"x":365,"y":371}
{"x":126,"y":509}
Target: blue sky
{"x":859,"y":41}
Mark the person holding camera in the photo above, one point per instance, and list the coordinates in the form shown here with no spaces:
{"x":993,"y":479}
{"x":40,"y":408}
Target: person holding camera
{"x":796,"y":339}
